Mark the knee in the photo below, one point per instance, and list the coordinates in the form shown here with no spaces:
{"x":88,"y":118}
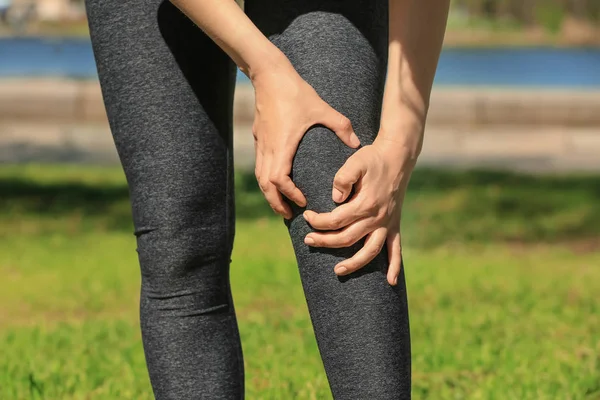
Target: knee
{"x":319,"y":157}
{"x":185,"y":270}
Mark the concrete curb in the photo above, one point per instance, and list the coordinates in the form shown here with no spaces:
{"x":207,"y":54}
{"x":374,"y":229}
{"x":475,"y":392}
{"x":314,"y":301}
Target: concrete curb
{"x":68,"y":100}
{"x":516,"y":148}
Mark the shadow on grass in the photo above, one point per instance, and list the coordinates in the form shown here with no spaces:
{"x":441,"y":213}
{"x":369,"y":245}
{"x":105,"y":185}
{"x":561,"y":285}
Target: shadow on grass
{"x":486,"y":206}
{"x":441,"y":206}
{"x":437,"y":179}
{"x":26,"y":197}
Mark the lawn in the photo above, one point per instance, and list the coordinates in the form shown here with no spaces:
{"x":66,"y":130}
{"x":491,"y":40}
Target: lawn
{"x":503,"y":274}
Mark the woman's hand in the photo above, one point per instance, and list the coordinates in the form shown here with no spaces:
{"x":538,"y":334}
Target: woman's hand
{"x":287,"y":107}
{"x":379,"y":174}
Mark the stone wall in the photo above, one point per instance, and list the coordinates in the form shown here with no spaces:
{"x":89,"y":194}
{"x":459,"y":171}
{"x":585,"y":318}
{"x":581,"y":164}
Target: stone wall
{"x":81,"y":101}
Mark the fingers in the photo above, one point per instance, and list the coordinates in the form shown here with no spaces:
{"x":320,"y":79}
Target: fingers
{"x":339,"y":239}
{"x":273,"y":184}
{"x":352,"y":170}
{"x":270,"y":192}
{"x":394,"y":257}
{"x":373,"y":245}
{"x":284,"y":184}
{"x":340,"y":125}
{"x":339,"y":218}
{"x":280,"y":176}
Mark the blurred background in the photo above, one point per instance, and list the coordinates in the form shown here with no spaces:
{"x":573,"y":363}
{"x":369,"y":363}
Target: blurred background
{"x":501,"y":226}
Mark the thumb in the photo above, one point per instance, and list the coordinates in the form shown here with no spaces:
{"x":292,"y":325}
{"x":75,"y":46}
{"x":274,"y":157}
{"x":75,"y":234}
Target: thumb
{"x":346,"y":177}
{"x":340,"y":125}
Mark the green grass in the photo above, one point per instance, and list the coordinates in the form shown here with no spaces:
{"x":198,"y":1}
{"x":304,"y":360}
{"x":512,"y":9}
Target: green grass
{"x":502,"y":270}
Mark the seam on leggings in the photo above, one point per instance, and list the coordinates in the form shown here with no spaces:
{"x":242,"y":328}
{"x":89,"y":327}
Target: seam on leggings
{"x":142,"y":230}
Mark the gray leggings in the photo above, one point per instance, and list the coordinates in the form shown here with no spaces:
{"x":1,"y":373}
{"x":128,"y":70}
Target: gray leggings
{"x":168,"y":91}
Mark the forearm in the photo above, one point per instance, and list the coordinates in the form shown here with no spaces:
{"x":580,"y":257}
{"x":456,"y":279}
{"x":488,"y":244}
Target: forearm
{"x":416,"y":33}
{"x":229,"y":27}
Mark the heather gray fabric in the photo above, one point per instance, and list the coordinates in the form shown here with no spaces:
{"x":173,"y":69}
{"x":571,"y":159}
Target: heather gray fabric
{"x":168,"y":94}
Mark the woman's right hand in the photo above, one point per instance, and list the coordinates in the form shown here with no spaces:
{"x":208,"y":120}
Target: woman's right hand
{"x":286,"y":108}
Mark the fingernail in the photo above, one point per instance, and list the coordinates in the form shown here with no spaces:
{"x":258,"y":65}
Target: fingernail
{"x":309,"y":241}
{"x":340,"y":269}
{"x":305,"y":215}
{"x":336,"y":195}
{"x":354,"y":140}
{"x":395,"y":280}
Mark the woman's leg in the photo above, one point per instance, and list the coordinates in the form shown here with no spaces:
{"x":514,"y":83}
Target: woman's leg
{"x":361,"y":322}
{"x":168,"y":92}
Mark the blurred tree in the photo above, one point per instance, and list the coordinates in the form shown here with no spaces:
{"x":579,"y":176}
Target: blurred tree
{"x":547,"y":13}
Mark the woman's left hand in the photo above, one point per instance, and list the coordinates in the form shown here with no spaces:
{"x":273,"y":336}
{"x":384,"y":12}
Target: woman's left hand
{"x":379,"y":174}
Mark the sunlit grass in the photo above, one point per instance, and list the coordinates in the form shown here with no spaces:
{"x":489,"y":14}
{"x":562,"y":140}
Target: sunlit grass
{"x":506,"y":311}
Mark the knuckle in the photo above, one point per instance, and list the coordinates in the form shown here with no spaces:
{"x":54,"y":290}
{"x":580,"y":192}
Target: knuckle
{"x":340,"y":178}
{"x":334,"y":221}
{"x":346,"y":240}
{"x":382,"y":215}
{"x":370,"y":205}
{"x":263,"y":184}
{"x":280,"y":210}
{"x":275,"y":179}
{"x":373,"y":251}
{"x":376,"y":214}
{"x":277,"y":207}
{"x":366,"y":209}
{"x":345,"y":123}
{"x":366,"y":213}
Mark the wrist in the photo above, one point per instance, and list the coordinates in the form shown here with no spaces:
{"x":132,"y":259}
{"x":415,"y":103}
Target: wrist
{"x":402,"y":154}
{"x":272,"y":63}
{"x":401,"y":135}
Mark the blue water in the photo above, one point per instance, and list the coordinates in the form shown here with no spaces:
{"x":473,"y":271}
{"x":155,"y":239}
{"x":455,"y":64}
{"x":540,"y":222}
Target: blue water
{"x":552,"y":67}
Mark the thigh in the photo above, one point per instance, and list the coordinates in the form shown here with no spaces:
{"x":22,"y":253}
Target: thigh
{"x":168,"y":91}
